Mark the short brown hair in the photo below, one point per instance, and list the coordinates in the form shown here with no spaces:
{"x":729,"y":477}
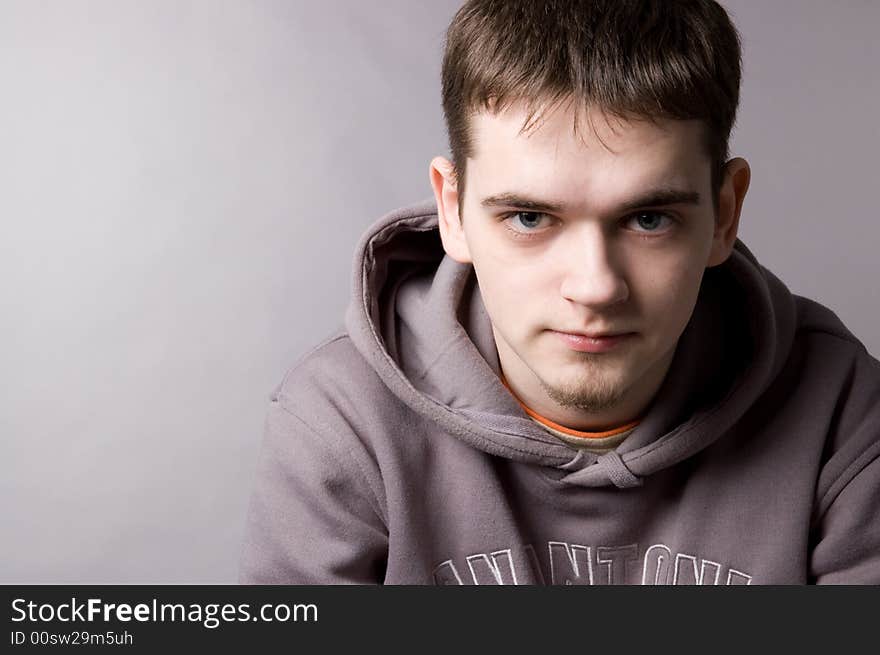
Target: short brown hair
{"x":674,"y":59}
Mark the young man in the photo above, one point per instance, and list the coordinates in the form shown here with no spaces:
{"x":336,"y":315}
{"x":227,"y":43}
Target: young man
{"x":565,"y":368}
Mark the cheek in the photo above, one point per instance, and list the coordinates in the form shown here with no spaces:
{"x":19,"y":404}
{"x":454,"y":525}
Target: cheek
{"x":667,"y":291}
{"x":512,"y":290}
{"x":503,"y":289}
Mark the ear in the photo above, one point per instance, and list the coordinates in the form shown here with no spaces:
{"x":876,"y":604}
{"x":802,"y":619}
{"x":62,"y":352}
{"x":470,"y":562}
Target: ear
{"x":730,"y":200}
{"x":445,"y":185}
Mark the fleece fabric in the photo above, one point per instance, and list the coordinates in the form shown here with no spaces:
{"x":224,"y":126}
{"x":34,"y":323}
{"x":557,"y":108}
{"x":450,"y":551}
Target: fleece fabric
{"x":393,"y":452}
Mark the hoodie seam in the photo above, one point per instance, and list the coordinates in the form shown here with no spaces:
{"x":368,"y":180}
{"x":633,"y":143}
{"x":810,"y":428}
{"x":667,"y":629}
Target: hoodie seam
{"x":840,"y":335}
{"x":867,"y":457}
{"x":454,"y":339}
{"x":298,"y":363}
{"x":323,"y":436}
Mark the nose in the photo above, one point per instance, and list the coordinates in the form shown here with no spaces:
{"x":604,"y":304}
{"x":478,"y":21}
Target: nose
{"x":591,"y":275}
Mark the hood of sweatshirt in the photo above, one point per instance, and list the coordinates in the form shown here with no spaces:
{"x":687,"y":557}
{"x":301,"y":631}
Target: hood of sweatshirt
{"x":417,"y":317}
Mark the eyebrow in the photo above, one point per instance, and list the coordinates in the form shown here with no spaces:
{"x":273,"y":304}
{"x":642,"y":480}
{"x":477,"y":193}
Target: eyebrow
{"x":654,"y":198}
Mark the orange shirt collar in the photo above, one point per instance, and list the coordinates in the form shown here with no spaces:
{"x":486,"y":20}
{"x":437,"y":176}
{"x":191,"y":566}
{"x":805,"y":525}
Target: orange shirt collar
{"x":561,"y":428}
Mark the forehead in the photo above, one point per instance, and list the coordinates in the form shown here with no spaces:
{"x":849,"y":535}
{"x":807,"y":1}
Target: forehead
{"x":580,"y":155}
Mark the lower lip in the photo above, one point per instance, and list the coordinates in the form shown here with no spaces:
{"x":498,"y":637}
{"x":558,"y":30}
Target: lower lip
{"x":593,"y":345}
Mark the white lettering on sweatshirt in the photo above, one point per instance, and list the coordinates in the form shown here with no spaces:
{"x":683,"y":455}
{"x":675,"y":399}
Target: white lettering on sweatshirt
{"x":577,"y":564}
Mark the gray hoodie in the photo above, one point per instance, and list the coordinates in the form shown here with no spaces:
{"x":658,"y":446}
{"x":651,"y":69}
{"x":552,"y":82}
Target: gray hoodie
{"x":393,"y":453}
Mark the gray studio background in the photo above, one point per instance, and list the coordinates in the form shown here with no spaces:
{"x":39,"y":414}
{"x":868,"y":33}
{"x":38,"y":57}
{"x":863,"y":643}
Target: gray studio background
{"x":182,"y":184}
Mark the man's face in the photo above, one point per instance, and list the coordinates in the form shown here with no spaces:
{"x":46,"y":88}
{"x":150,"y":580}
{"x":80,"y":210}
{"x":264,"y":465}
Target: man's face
{"x":616,"y":243}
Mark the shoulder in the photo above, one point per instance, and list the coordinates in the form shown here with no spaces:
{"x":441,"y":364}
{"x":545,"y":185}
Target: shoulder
{"x":831,"y":351}
{"x":814,"y":318}
{"x":848,"y":376}
{"x":823,"y":339}
{"x":335,"y":392}
{"x":333,"y":367}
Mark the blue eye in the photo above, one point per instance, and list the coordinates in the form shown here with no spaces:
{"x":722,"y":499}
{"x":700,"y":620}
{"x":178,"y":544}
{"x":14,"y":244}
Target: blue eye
{"x":524,"y":223}
{"x":529,"y":220}
{"x":649,"y":221}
